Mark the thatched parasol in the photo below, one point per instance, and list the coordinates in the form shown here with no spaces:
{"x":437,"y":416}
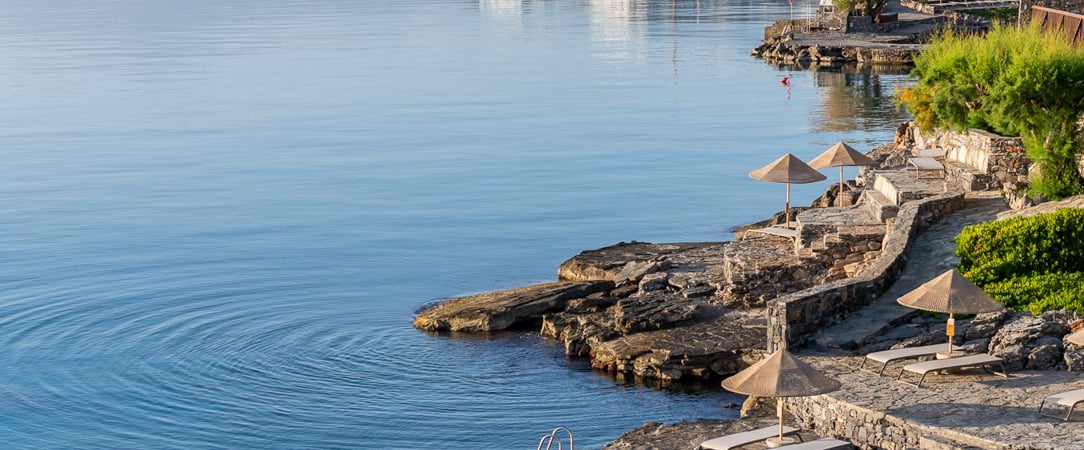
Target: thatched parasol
{"x":787,"y":169}
{"x":780,"y":375}
{"x":950,"y":293}
{"x":841,"y":155}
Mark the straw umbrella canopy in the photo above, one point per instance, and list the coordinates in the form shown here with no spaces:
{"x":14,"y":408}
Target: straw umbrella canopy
{"x":840,"y":155}
{"x":950,"y":293}
{"x":780,"y":375}
{"x":787,"y":169}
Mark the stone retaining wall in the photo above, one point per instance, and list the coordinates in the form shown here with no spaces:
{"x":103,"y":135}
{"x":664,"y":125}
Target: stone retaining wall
{"x":831,"y":417}
{"x":795,"y":317}
{"x":979,"y":160}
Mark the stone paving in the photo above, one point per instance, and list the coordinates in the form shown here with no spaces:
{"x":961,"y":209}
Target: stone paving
{"x":932,"y":253}
{"x":970,"y":409}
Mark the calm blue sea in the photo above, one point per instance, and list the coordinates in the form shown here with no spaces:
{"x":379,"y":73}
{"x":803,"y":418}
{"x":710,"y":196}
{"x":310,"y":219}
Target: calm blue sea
{"x":218,"y":218}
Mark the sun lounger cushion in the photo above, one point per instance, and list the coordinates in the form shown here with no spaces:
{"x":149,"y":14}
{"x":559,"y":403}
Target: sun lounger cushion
{"x":1068,"y":399}
{"x":924,"y":163}
{"x":739,"y":439}
{"x":924,"y":368}
{"x":820,"y":444}
{"x":887,"y":356}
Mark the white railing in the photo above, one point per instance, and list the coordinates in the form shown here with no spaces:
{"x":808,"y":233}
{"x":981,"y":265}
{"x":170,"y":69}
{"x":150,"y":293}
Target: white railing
{"x":554,"y":436}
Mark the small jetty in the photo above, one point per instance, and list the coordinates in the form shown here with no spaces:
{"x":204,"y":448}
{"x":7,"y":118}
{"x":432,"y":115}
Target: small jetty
{"x":892,"y":38}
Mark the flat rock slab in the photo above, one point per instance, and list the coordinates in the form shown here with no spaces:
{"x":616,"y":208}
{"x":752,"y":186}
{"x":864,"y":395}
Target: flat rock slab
{"x":608,"y":262}
{"x":506,"y":310}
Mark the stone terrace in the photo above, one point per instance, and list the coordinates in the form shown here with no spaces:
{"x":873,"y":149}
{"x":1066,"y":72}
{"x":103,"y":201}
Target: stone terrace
{"x":971,"y":409}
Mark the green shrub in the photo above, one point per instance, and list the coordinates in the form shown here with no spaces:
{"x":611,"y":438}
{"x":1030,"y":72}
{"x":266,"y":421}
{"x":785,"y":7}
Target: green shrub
{"x":1041,"y":292}
{"x":1022,"y":247}
{"x":1028,"y":263}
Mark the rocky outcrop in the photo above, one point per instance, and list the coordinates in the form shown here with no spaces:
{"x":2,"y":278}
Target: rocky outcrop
{"x":589,"y":321}
{"x":1027,"y":342}
{"x":818,"y":51}
{"x":505,"y":310}
{"x":648,"y":310}
{"x":703,"y":351}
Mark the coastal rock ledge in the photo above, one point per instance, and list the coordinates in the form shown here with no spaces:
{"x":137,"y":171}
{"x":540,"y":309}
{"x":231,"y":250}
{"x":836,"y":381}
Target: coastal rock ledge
{"x":641,"y":309}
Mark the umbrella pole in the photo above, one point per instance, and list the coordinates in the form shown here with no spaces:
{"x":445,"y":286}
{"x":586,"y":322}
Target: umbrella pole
{"x":779,"y":408}
{"x":840,"y":196}
{"x":786,"y":208}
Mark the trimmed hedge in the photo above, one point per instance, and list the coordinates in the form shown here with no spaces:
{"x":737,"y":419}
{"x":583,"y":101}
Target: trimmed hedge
{"x":1041,"y":292}
{"x":1033,"y":263}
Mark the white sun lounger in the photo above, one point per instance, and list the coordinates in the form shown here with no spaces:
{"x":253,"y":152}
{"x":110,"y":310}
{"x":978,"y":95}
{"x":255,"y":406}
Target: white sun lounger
{"x":820,"y":444}
{"x":923,"y":164}
{"x":1068,"y":399}
{"x":887,"y":356}
{"x":739,"y":439}
{"x":930,"y":153}
{"x":983,"y":360}
{"x":789,"y":233}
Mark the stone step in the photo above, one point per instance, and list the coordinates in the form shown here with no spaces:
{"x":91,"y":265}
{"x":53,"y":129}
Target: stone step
{"x":902,"y":186}
{"x":879,"y":206}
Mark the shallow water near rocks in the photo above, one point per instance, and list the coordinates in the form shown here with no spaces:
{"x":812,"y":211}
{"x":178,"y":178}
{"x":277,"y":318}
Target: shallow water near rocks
{"x":217,"y":219}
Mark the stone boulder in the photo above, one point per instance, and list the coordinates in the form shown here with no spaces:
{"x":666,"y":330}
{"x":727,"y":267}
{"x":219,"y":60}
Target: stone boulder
{"x":1027,"y":342}
{"x":652,"y":282}
{"x":983,"y":326}
{"x":1074,"y":356}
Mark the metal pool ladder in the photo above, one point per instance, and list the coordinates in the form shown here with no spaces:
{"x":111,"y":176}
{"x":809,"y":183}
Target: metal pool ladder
{"x":549,"y":439}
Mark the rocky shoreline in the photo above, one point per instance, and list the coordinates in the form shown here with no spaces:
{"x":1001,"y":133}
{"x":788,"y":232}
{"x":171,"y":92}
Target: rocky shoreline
{"x":641,"y":309}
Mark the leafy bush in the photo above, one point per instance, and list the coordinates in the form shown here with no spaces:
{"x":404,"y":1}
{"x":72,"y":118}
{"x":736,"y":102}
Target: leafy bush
{"x":1041,"y":292}
{"x":1022,"y":246}
{"x":1033,"y":263}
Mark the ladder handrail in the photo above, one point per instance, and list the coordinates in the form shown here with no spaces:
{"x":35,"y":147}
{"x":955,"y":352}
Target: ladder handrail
{"x":549,"y":438}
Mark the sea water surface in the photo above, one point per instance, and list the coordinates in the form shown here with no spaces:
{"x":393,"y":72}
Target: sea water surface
{"x":218,"y":218}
